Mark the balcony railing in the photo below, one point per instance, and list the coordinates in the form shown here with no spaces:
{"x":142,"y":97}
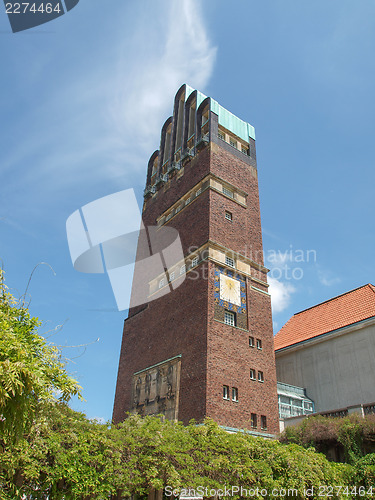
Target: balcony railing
{"x":190,"y":141}
{"x":369,"y":409}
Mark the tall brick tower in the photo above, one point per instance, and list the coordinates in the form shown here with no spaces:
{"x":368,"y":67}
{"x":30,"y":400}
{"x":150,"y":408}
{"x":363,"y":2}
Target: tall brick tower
{"x":205,"y":349}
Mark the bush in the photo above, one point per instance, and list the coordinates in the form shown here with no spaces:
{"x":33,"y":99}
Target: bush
{"x":354,"y":435}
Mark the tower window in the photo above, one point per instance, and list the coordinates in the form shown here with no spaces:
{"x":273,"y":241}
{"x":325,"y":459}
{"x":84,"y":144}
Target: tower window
{"x":198,"y":192}
{"x":232,"y":142}
{"x":254,"y":421}
{"x":188,"y":200}
{"x":260,"y":377}
{"x":263,"y":422}
{"x":229,"y":261}
{"x":171,"y":276}
{"x":161,"y":283}
{"x":234,"y":394}
{"x":183,"y":269}
{"x":228,"y":215}
{"x":251,"y":341}
{"x":194,"y":262}
{"x":259,"y":344}
{"x":244,"y":150}
{"x":229,"y":318}
{"x":228,"y":192}
{"x":221,"y":136}
{"x":154,"y":166}
{"x":169,"y":216}
{"x":178,"y":209}
{"x":252,"y":374}
{"x":225,"y":392}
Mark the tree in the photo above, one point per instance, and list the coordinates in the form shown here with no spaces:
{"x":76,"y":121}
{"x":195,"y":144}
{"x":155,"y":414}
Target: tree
{"x":48,"y":450}
{"x":31,"y":371}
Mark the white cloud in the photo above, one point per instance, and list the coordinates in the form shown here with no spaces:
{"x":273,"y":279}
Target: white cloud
{"x":101,"y":122}
{"x":326,"y":278}
{"x":99,"y":420}
{"x":278,"y":258}
{"x":141,"y":104}
{"x":280,"y":294}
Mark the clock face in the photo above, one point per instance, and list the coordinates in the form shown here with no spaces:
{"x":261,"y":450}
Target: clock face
{"x":230,"y":290}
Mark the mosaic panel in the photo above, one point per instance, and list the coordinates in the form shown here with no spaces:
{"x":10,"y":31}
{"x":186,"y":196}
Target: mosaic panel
{"x":223,"y":303}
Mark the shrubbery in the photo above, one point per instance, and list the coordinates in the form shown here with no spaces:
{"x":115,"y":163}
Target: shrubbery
{"x":48,"y":451}
{"x":67,"y":456}
{"x":353,"y":435}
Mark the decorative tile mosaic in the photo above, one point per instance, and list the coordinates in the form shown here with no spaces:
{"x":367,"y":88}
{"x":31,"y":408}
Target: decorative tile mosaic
{"x":223,"y":303}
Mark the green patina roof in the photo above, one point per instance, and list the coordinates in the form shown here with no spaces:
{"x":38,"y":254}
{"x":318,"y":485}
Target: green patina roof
{"x":229,"y":121}
{"x":200,"y":97}
{"x":226,"y":119}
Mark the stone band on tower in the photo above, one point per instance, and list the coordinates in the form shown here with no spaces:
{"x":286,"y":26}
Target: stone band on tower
{"x":205,"y":349}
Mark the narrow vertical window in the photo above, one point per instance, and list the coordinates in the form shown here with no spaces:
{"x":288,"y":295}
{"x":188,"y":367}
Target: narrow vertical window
{"x":254,"y":421}
{"x":263,"y":422}
{"x":234,"y":394}
{"x":251,"y":341}
{"x":225,"y":392}
{"x":228,"y":215}
{"x":259,"y":344}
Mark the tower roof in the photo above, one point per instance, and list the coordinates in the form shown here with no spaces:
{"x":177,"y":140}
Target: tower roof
{"x":338,"y":312}
{"x":227,"y":119}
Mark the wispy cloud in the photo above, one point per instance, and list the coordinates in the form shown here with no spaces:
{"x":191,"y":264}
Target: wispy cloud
{"x":99,"y":420}
{"x":102,"y":122}
{"x":280,"y":294}
{"x":326,"y":278}
{"x":141,"y":104}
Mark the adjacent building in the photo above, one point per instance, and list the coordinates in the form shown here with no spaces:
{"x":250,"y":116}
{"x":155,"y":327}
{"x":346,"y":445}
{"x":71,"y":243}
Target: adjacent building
{"x":329,"y":350}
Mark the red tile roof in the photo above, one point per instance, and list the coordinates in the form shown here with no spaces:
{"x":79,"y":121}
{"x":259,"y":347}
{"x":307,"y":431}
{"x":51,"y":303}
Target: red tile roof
{"x":344,"y":310}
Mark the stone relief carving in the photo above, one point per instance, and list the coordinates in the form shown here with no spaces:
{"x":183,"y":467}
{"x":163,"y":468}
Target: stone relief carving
{"x":155,"y":390}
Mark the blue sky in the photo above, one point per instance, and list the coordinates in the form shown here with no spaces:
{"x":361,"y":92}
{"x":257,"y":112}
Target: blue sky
{"x":82,"y":101}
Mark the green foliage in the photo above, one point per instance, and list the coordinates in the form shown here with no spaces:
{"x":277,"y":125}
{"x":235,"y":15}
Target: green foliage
{"x":31,"y":371}
{"x":69,"y":457}
{"x":316,"y":431}
{"x":49,"y":451}
{"x":365,"y":471}
{"x":353,"y":434}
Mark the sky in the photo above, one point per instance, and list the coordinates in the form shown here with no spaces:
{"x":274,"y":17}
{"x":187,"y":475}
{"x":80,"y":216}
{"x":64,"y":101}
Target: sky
{"x":82,"y":102}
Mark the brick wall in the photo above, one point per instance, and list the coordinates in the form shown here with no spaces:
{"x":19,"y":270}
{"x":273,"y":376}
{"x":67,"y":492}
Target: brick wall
{"x":183,"y":322}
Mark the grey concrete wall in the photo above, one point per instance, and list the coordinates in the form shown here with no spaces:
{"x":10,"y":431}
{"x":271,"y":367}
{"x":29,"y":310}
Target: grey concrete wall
{"x":337,"y":370}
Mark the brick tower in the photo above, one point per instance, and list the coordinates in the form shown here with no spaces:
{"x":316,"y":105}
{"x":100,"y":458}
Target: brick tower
{"x":205,"y":349}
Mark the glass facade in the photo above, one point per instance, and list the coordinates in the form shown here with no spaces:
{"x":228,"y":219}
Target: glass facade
{"x":293,"y":401}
